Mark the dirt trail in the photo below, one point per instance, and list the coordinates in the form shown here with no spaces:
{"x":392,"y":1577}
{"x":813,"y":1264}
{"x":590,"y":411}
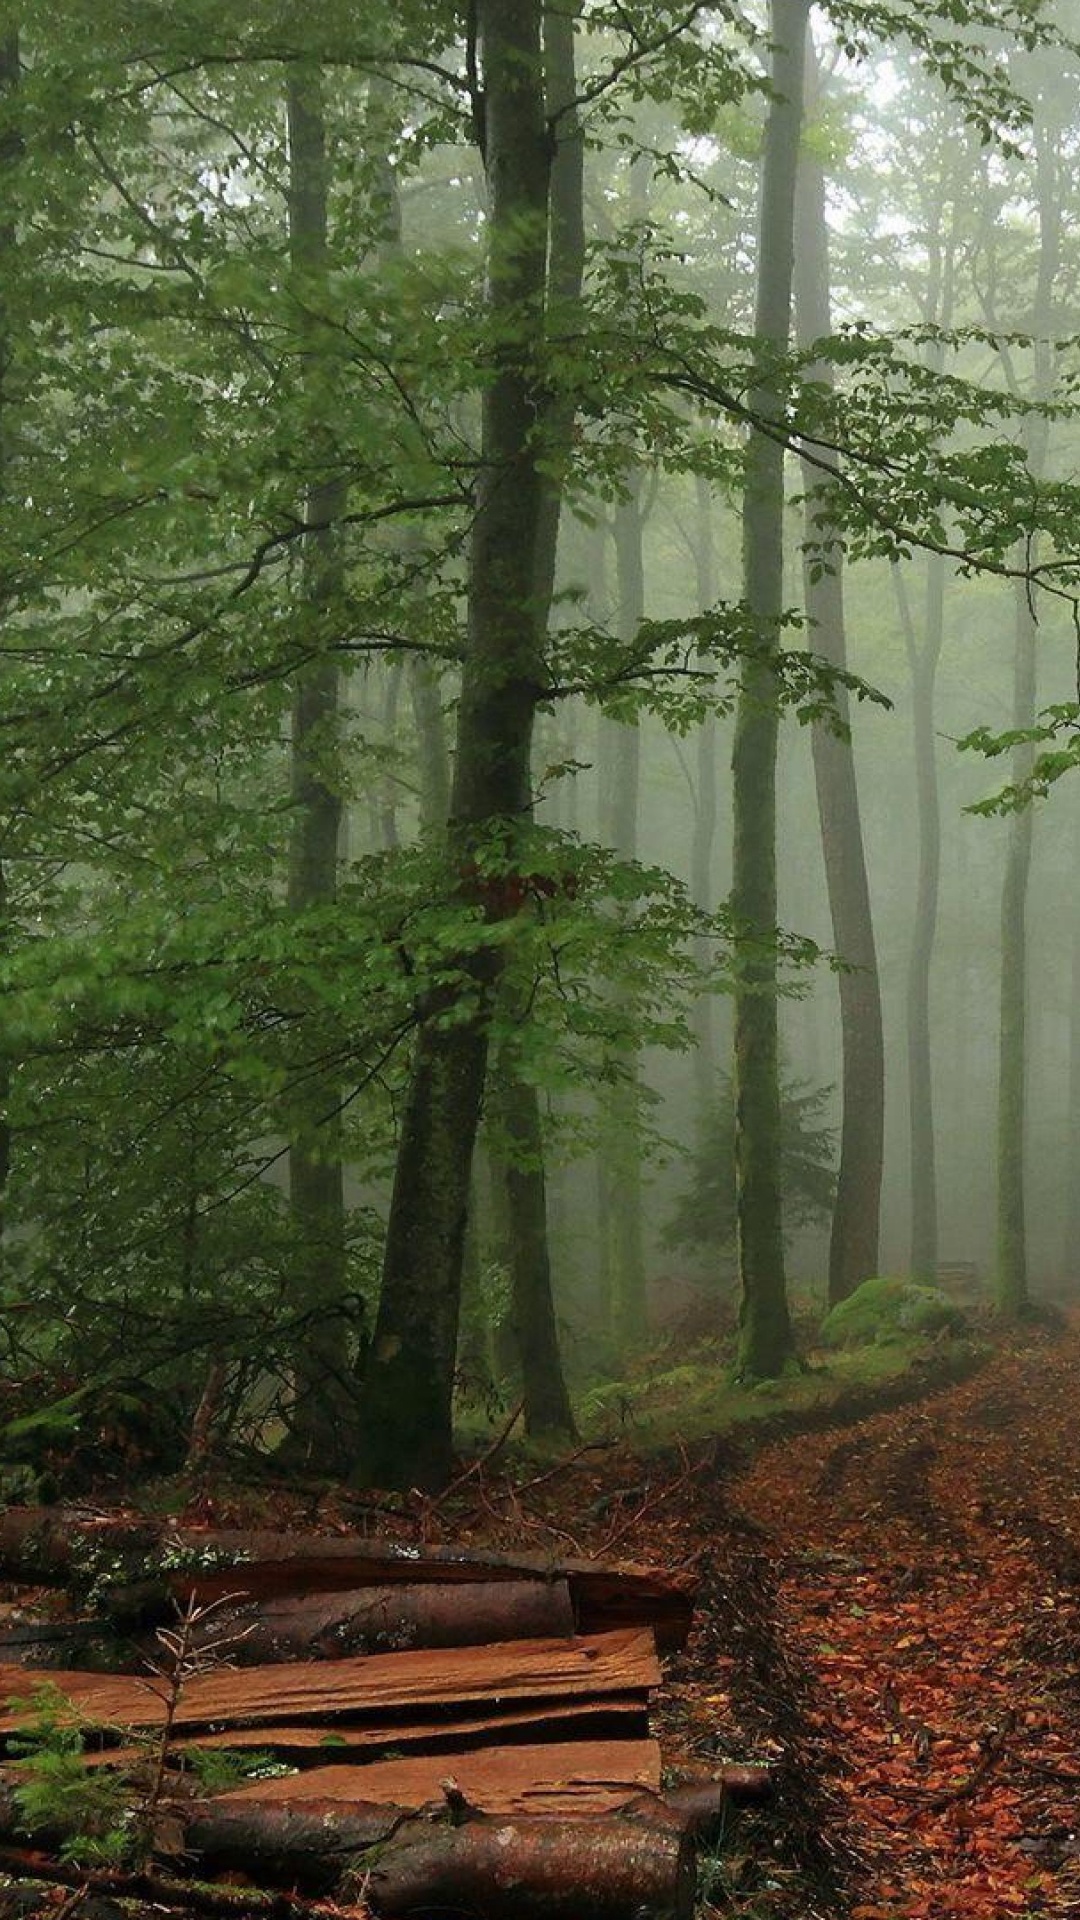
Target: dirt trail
{"x":894,"y":1610}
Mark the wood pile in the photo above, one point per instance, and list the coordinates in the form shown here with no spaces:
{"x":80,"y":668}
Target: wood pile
{"x":467,"y":1731}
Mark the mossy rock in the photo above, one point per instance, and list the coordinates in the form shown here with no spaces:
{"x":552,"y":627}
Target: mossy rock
{"x":890,"y":1309}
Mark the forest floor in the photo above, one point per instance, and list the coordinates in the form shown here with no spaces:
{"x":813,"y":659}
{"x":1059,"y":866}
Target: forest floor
{"x":891,"y":1612}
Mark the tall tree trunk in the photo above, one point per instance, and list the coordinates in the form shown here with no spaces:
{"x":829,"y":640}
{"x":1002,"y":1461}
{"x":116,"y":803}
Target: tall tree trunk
{"x":703,"y":834}
{"x":923,"y":658}
{"x":1011,"y":1290}
{"x":433,"y":751}
{"x":406,"y":1437}
{"x":516,"y":1102}
{"x":1070,"y":1252}
{"x":324,"y":1402}
{"x":853,"y":1246}
{"x":623,"y":1206}
{"x":11,"y":148}
{"x":765,"y":1339}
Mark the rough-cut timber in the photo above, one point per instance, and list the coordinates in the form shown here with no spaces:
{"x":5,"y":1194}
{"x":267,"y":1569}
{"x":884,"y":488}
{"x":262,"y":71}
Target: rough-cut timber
{"x":613,"y":1717}
{"x":390,"y":1618}
{"x":40,"y":1543}
{"x":366,"y":1684}
{"x":578,"y":1777}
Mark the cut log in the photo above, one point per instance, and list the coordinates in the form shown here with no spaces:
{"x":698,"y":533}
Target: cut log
{"x":365,"y":1684}
{"x":46,"y":1543}
{"x":537,"y":1870}
{"x":490,"y":1868}
{"x":579,"y":1777}
{"x":700,"y":1800}
{"x":324,"y":1626}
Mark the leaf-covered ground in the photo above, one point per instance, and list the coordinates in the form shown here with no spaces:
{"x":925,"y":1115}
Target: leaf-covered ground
{"x":892,"y":1611}
{"x":889,"y":1612}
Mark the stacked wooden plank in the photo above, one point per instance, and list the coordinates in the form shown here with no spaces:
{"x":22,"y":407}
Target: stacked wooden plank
{"x":480,"y":1720}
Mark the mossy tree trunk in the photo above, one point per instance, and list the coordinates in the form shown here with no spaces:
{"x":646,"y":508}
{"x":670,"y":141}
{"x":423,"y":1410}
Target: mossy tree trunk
{"x":765,"y":1338}
{"x":11,"y":149}
{"x":853,"y":1245}
{"x":516,"y":1107}
{"x":325,"y":1397}
{"x":406,"y":1434}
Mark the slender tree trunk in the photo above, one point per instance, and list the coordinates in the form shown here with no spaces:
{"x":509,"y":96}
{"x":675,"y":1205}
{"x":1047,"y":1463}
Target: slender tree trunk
{"x":703,"y":836}
{"x":765,"y":1339}
{"x":388,"y":789}
{"x":11,"y":149}
{"x":516,"y":1102}
{"x":406,"y":1437}
{"x":1070,"y":1253}
{"x":1011,"y":1286}
{"x":853,"y":1246}
{"x":316,"y":1183}
{"x":433,"y":751}
{"x":1011,"y":1290}
{"x":516,"y":1111}
{"x":625,"y":1202}
{"x":924,"y":655}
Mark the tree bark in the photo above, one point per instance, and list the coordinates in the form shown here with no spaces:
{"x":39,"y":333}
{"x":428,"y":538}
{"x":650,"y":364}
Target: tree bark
{"x":1011,"y":1285}
{"x":324,"y":1407}
{"x":923,"y":658}
{"x":703,"y":836}
{"x":1069,"y":1252}
{"x":516,"y":1112}
{"x":516,"y":1102}
{"x":765,"y":1338}
{"x":406,"y":1436}
{"x":623,"y":1168}
{"x":11,"y":149}
{"x":853,"y":1246}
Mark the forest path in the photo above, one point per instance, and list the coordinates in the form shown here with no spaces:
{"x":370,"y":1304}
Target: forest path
{"x":894,"y":1610}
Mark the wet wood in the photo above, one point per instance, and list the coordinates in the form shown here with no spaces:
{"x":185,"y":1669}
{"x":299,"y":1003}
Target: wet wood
{"x":523,"y":1867}
{"x":614,"y":1717}
{"x":363,"y":1684}
{"x":577,"y":1777}
{"x":387,"y":1619}
{"x":46,"y":1543}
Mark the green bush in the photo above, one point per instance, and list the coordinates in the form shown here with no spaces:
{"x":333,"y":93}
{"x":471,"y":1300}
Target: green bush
{"x":889,"y":1309}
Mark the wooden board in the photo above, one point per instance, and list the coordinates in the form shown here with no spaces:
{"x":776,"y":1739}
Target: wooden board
{"x":368,"y":1684}
{"x":613,"y":1717}
{"x":582,"y":1776}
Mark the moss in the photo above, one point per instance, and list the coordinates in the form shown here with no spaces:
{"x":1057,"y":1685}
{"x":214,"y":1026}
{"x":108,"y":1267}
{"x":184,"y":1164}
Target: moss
{"x":889,"y":1309}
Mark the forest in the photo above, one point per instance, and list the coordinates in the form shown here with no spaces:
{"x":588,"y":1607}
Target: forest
{"x":540,"y":707}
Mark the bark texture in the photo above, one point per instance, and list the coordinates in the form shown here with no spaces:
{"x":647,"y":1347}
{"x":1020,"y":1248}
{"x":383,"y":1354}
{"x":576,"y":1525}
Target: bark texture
{"x":516,"y":1101}
{"x":765,"y":1328}
{"x":853,"y":1245}
{"x":406,"y":1415}
{"x":1011,"y":1286}
{"x":324,"y":1406}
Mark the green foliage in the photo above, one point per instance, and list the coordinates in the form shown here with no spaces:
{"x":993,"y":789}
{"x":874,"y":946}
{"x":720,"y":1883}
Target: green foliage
{"x":85,"y":1809}
{"x":887,"y":1309}
{"x":704,"y":1217}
